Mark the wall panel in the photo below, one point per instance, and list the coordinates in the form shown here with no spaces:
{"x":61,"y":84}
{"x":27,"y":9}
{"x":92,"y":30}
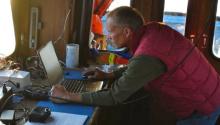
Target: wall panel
{"x":200,"y":21}
{"x":152,"y":10}
{"x":52,"y":14}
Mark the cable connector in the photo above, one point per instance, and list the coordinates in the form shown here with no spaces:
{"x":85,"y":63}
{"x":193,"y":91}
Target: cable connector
{"x":4,"y":89}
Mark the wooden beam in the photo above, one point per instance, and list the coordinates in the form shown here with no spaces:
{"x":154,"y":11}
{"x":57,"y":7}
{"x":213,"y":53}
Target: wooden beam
{"x":200,"y":22}
{"x":152,"y":10}
{"x":84,"y":10}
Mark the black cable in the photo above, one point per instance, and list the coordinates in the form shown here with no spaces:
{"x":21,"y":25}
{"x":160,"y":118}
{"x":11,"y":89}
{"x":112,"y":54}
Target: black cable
{"x":4,"y":87}
{"x":17,"y":85}
{"x":26,"y":111}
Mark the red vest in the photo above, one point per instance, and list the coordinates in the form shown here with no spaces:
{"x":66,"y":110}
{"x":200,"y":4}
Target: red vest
{"x":194,"y":86}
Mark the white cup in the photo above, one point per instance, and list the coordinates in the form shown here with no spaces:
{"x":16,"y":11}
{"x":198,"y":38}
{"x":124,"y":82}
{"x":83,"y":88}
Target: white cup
{"x":72,"y":55}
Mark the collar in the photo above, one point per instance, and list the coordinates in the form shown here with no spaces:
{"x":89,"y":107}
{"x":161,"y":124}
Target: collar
{"x":136,"y":39}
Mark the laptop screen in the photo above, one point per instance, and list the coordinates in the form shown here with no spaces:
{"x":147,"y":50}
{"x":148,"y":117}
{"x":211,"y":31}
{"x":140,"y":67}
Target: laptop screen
{"x":51,"y":64}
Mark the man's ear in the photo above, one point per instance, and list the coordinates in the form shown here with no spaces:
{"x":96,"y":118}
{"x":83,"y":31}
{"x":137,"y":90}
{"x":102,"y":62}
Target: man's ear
{"x":127,"y":31}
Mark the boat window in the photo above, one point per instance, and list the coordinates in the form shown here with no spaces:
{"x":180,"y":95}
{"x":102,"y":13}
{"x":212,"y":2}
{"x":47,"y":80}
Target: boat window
{"x":175,"y":16}
{"x":118,"y":3}
{"x":216,"y":39}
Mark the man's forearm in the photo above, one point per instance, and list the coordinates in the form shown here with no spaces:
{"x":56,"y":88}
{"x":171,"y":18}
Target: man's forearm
{"x":100,"y":98}
{"x":140,"y":71}
{"x":73,"y":97}
{"x":118,"y":73}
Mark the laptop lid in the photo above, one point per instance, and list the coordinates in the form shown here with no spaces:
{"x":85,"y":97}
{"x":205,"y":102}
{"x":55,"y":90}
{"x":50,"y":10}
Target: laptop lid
{"x":51,"y":63}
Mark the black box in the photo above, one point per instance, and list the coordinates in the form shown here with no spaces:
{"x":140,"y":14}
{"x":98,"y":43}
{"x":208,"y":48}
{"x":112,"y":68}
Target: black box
{"x":39,"y":114}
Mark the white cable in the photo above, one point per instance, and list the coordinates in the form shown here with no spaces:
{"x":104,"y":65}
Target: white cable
{"x":64,"y":27}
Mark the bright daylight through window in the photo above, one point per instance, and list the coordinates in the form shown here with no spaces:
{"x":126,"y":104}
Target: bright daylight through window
{"x":216,"y":39}
{"x":175,"y":16}
{"x":118,"y":3}
{"x":7,"y":34}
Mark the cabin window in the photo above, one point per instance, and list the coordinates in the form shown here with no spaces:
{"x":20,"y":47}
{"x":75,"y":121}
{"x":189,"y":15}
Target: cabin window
{"x":216,"y":39}
{"x":175,"y":16}
{"x":118,"y":3}
{"x":7,"y":36}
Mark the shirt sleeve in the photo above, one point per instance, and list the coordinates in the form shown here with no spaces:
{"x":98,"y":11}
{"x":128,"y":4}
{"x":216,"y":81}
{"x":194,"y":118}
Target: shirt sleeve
{"x":140,"y":71}
{"x":118,"y":73}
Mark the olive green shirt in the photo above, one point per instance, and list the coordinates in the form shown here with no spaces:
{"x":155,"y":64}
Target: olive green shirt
{"x":140,"y":70}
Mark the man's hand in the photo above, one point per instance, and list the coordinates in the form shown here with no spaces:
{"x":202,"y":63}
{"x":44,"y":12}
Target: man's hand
{"x":59,"y":94}
{"x":95,"y":74}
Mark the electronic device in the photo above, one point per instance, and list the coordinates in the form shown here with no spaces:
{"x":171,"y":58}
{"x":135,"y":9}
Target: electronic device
{"x":30,"y":93}
{"x":21,"y":78}
{"x":56,"y":74}
{"x":8,"y":117}
{"x":52,"y":66}
{"x":39,"y":114}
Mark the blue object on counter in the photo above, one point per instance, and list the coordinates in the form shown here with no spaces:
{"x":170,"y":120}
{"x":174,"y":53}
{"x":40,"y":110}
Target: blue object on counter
{"x":74,"y":74}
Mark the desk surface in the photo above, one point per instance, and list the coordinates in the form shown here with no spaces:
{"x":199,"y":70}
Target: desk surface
{"x":66,"y":108}
{"x":69,"y":108}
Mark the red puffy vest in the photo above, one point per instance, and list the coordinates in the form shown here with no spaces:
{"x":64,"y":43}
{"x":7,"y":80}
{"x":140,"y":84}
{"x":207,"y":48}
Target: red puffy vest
{"x":194,"y":86}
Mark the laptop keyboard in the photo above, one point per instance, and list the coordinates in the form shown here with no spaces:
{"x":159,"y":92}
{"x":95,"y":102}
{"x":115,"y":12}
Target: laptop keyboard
{"x":75,"y":86}
{"x":41,"y":91}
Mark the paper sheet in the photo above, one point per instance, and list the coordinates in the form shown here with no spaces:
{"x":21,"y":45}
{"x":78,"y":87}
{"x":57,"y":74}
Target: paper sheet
{"x":59,"y":118}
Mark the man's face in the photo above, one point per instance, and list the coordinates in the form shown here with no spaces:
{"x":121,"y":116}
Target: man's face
{"x":117,"y":34}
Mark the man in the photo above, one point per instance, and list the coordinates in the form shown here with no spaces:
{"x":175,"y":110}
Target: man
{"x":164,"y":63}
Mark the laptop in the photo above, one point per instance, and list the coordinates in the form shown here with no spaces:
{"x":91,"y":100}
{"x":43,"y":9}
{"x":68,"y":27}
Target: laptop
{"x":69,"y":78}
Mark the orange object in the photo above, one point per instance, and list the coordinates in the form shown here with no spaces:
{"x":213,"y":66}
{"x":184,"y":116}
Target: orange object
{"x":97,"y":24}
{"x":111,"y":58}
{"x":100,"y":6}
{"x":121,"y":60}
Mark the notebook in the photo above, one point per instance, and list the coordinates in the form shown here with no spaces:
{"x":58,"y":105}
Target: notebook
{"x":54,"y":71}
{"x":58,"y":118}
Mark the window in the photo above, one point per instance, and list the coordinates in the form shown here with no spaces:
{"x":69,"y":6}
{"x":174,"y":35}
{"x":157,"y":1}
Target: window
{"x":216,"y":39}
{"x":175,"y":16}
{"x":7,"y":34}
{"x":118,"y":3}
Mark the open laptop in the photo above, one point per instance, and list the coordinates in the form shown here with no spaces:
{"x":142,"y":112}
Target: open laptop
{"x":69,"y":78}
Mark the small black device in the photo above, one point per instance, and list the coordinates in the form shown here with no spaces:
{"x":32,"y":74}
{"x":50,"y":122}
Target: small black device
{"x":36,"y":95}
{"x":39,"y":114}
